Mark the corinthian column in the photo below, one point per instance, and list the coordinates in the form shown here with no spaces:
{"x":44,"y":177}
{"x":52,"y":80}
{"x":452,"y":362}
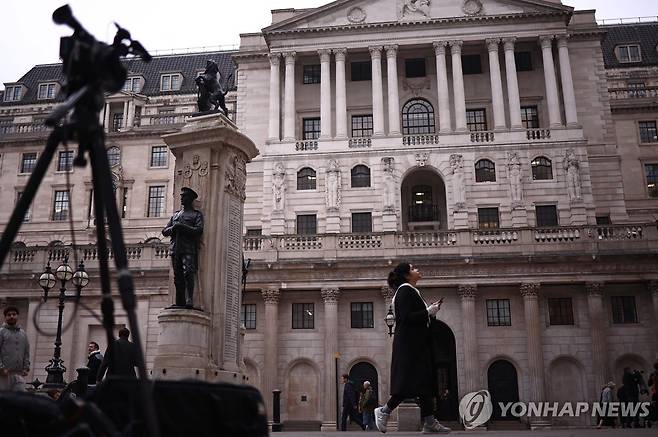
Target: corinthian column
{"x":330,"y":296}
{"x":598,"y":331}
{"x":393,"y":94}
{"x":377,"y":92}
{"x":514,"y":101}
{"x":270,"y":374}
{"x":275,"y":86}
{"x":341,"y":97}
{"x":442,"y":86}
{"x":472,"y":382}
{"x":546,"y":43}
{"x":568,"y":94}
{"x":530,"y":293}
{"x":496,"y":84}
{"x":325,"y":93}
{"x":458,"y":85}
{"x":289,"y":99}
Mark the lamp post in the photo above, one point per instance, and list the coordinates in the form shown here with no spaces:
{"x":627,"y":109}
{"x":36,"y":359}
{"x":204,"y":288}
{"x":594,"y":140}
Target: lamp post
{"x":390,"y":321}
{"x":47,"y":281}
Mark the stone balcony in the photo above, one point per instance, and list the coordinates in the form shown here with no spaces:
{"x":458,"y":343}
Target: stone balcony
{"x":621,"y":98}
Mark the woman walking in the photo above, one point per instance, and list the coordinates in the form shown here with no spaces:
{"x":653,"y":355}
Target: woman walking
{"x":412,"y":373}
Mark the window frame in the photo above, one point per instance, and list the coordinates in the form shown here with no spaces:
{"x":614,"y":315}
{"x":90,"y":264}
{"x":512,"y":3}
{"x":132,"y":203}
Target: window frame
{"x":133,"y":80}
{"x":299,"y":221}
{"x":616,"y":320}
{"x":560,"y":311}
{"x":652,"y":192}
{"x":150,"y":197}
{"x":492,"y":216}
{"x":311,"y":128}
{"x":50,"y":91}
{"x":537,"y":164}
{"x":360,"y":71}
{"x":63,"y":214}
{"x":362,"y":315}
{"x":476,"y":119}
{"x":468,"y":67}
{"x":111,"y":155}
{"x":311,"y":74}
{"x":519,"y":61}
{"x":248,"y":322}
{"x":415,"y":67}
{"x":28,"y":214}
{"x":21,"y":169}
{"x":627,"y":47}
{"x":13,"y":93}
{"x":152,"y":156}
{"x":170,"y":86}
{"x":532,"y":121}
{"x":494,"y":316}
{"x":356,"y":218}
{"x":362,"y":126}
{"x":311,"y":178}
{"x":117,"y":122}
{"x":303,"y":322}
{"x":418,"y":122}
{"x":360,"y":178}
{"x":485,"y":174}
{"x":546,"y":208}
{"x":645,"y":128}
{"x":67,"y":165}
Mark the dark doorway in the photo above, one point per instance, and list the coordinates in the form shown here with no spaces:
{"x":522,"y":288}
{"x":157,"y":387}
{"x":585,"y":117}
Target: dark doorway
{"x":445,"y":359}
{"x":364,"y":371}
{"x":503,"y":386}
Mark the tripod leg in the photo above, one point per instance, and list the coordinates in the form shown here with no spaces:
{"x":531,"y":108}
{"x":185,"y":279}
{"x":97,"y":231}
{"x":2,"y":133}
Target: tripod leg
{"x":23,"y":204}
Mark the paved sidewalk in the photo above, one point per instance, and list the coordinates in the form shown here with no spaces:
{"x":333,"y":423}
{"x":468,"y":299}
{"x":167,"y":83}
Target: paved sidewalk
{"x":527,"y":433}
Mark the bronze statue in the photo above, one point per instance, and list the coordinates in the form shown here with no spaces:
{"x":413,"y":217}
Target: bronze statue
{"x":210,"y":92}
{"x":185,"y":228}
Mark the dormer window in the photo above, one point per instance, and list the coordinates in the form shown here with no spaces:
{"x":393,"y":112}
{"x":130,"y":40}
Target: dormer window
{"x":628,"y":53}
{"x":47,"y":91}
{"x":133,"y":85}
{"x":170,"y":82}
{"x":13,"y":93}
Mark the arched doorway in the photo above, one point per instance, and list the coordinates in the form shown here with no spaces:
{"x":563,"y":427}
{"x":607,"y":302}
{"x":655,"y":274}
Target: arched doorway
{"x":444,"y":352}
{"x":364,"y":371}
{"x":303,"y":399}
{"x":423,"y":195}
{"x":503,"y":385}
{"x":567,"y":384}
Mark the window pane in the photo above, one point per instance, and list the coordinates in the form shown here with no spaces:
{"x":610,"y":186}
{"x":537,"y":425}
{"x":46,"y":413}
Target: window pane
{"x":418,"y":117}
{"x":523,"y":61}
{"x":311,"y":128}
{"x":306,"y":179}
{"x":529,"y":117}
{"x":546,"y":216}
{"x":648,"y":132}
{"x":117,"y":121}
{"x":361,"y":222}
{"x":166,"y":83}
{"x":61,"y":206}
{"x":542,"y":169}
{"x":28,"y":162}
{"x":65,"y":161}
{"x":248,"y":316}
{"x":360,"y":176}
{"x":414,"y":67}
{"x":362,"y":126}
{"x":476,"y":120}
{"x":361,"y":70}
{"x":159,"y":156}
{"x":302,"y":315}
{"x":623,"y":309}
{"x":311,"y":74}
{"x":156,"y":201}
{"x":488,"y":218}
{"x":485,"y":171}
{"x":114,"y":156}
{"x":175,"y":82}
{"x":471,"y":64}
{"x":498,"y":312}
{"x":362,"y":315}
{"x":43,"y":91}
{"x":306,"y":224}
{"x":560,"y":311}
{"x":651,"y":172}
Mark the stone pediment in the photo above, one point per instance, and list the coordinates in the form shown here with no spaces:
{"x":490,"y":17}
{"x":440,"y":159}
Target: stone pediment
{"x":342,"y":13}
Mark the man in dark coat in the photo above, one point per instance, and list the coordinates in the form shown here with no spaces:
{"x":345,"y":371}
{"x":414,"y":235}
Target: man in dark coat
{"x":120,"y":359}
{"x":350,"y":404}
{"x":94,"y":361}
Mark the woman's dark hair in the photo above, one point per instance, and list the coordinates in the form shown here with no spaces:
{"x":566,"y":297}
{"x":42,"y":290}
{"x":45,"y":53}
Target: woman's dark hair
{"x":398,"y":275}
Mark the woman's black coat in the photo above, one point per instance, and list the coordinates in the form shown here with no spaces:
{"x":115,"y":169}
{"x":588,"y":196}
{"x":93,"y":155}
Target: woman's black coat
{"x":412,"y":370}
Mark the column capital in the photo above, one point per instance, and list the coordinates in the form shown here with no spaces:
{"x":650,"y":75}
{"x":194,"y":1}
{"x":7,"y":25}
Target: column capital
{"x":290,"y":57}
{"x":387,"y":293}
{"x":508,"y":42}
{"x":492,"y":44}
{"x":456,"y":46}
{"x":546,"y":41}
{"x":440,"y":47}
{"x":375,"y":51}
{"x":270,"y":295}
{"x":652,"y":286}
{"x":391,"y":50}
{"x":467,"y":291}
{"x":594,"y":288}
{"x":325,"y":55}
{"x":275,"y":58}
{"x":330,"y":294}
{"x":340,"y":54}
{"x":562,"y":40}
{"x":530,"y":290}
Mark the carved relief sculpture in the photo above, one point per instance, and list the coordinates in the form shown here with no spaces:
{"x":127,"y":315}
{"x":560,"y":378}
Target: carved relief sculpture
{"x":279,"y":187}
{"x":458,"y":188}
{"x":472,"y":7}
{"x":514,"y":172}
{"x":333,"y":185}
{"x":389,"y":184}
{"x":236,"y":176}
{"x":194,"y":174}
{"x":422,"y":158}
{"x":413,"y":9}
{"x":572,"y":167}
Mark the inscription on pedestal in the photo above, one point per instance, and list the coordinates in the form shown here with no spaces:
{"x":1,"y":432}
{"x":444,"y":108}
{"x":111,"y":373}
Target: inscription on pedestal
{"x":233,"y":271}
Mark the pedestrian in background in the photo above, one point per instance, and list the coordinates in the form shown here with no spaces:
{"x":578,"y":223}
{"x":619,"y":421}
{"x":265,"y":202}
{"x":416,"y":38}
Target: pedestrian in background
{"x":367,"y":404}
{"x":94,"y":361}
{"x":14,"y":353}
{"x":350,"y":404}
{"x":120,"y":359}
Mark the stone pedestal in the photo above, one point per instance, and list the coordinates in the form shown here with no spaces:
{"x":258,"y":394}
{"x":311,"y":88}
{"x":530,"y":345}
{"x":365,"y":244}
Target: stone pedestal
{"x":277,"y":223}
{"x":389,"y":221}
{"x":211,"y":156}
{"x":460,"y":219}
{"x":578,"y":214}
{"x":408,"y":417}
{"x":519,"y":217}
{"x":333,"y":222}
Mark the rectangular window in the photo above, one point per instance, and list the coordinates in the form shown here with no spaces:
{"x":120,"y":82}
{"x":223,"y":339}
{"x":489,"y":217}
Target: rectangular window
{"x":361,"y":222}
{"x":12,"y":93}
{"x":132,"y":85}
{"x":156,"y":201}
{"x":498,"y":312}
{"x":28,"y":213}
{"x":530,"y":117}
{"x":248,"y":315}
{"x":471,"y":64}
{"x":312,"y":74}
{"x":28,"y":162}
{"x":362,"y":126}
{"x":117,"y":121}
{"x":361,"y":70}
{"x":637,"y":89}
{"x":603,"y":220}
{"x":170,"y":82}
{"x":159,"y":156}
{"x":307,"y":224}
{"x":414,"y":67}
{"x":648,"y":132}
{"x":523,"y":61}
{"x":628,"y":53}
{"x":560,"y":311}
{"x":46,"y":91}
{"x":65,"y":161}
{"x":254,"y":232}
{"x":651,"y":173}
{"x":61,"y":206}
{"x":362,"y":315}
{"x":488,"y":218}
{"x":311,"y":128}
{"x":623,"y":309}
{"x":476,"y":120}
{"x":124,"y":203}
{"x":546,"y":216}
{"x":302,"y":316}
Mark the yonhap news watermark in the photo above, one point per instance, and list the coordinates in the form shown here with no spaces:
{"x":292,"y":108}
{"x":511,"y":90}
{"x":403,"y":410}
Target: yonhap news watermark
{"x":476,"y":408}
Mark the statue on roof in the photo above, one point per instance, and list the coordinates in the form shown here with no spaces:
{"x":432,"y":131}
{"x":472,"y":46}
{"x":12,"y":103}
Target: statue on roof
{"x":209,"y":91}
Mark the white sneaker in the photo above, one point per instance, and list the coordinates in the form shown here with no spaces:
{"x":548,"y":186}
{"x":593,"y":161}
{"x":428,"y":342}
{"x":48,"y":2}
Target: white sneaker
{"x":435,"y":428}
{"x":381,"y":419}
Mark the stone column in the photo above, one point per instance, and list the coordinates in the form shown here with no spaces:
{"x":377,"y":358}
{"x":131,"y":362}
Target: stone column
{"x":330,"y":296}
{"x":131,"y":114}
{"x":546,"y":42}
{"x":568,"y":94}
{"x":598,"y":330}
{"x":325,"y":93}
{"x":512,"y":84}
{"x":653,"y":288}
{"x":341,"y":94}
{"x":442,"y":86}
{"x":530,"y":293}
{"x":377,"y":92}
{"x":124,"y":120}
{"x":270,"y":366}
{"x":107,"y":121}
{"x":275,"y":102}
{"x":289,"y":98}
{"x":496,"y":84}
{"x":458,"y":85}
{"x":472,"y":382}
{"x":393,"y":93}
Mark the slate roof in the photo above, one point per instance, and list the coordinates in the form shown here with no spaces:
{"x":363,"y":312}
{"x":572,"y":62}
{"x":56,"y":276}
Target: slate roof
{"x":186,"y":64}
{"x":644,"y":34}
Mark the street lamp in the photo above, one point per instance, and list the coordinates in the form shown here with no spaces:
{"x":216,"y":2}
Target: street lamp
{"x":390,"y":320}
{"x":47,"y":281}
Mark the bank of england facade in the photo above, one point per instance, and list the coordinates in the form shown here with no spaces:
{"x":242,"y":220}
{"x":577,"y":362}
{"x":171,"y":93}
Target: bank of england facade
{"x":507,"y":149}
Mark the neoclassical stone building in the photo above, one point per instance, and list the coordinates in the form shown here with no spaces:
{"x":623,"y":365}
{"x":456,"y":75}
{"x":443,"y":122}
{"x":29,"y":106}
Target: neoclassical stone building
{"x":508,"y":148}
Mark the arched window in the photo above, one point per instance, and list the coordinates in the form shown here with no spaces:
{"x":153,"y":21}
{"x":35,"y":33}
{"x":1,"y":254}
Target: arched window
{"x":485,"y":171}
{"x":417,"y":117}
{"x":542,"y":169}
{"x":306,"y":179}
{"x":360,"y":176}
{"x":114,"y":156}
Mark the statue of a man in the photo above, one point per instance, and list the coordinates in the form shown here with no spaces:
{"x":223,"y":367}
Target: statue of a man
{"x":514,"y":171}
{"x":333,"y":185}
{"x":572,"y":167}
{"x":185,"y":228}
{"x":279,"y":187}
{"x":458,"y":188}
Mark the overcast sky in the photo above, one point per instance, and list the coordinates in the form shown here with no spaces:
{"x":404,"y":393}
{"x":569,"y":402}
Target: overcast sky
{"x":29,"y":37}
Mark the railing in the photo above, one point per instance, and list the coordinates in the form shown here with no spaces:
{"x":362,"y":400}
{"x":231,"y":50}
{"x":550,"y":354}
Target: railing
{"x":423,"y":213}
{"x":631,"y":20}
{"x":633,"y":93}
{"x":300,"y":242}
{"x":616,"y":233}
{"x":164,"y":119}
{"x":482,"y":137}
{"x":538,"y":134}
{"x":23,"y":128}
{"x":305,"y":145}
{"x":427,"y":239}
{"x":557,"y":234}
{"x":495,"y":237}
{"x":420,"y":140}
{"x":355,"y":143}
{"x":358,"y":241}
